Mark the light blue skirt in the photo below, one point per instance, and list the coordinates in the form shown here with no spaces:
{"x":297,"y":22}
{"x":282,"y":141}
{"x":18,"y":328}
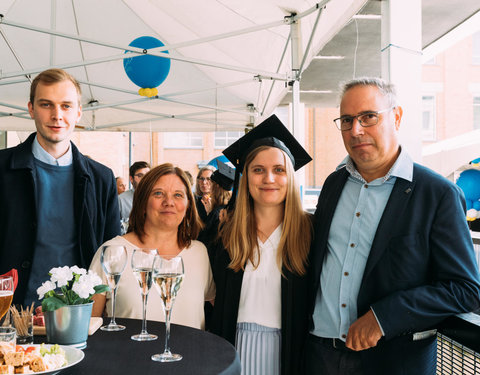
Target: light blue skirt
{"x":259,"y":349}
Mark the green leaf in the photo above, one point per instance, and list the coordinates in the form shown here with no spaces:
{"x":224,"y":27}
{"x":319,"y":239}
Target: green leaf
{"x":101,"y":288}
{"x":52,"y":303}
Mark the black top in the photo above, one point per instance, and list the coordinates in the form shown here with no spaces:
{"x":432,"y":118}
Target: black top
{"x":201,"y":209}
{"x":294,"y":309}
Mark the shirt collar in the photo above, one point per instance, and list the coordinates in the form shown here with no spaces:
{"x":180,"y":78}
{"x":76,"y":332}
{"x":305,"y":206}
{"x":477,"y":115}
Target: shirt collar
{"x":40,"y":154}
{"x":403,"y":167}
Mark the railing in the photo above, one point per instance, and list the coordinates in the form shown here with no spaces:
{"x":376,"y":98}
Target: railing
{"x":458,"y":345}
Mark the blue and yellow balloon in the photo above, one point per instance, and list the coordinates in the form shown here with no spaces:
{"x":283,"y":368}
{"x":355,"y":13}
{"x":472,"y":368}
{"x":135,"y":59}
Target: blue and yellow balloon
{"x":469,"y":182}
{"x":147,"y":71}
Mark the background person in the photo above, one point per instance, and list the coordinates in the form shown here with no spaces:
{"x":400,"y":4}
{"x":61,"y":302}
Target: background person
{"x":57,"y":206}
{"x":121,"y":185}
{"x":136,"y":172}
{"x":163,"y":217}
{"x":222,"y":182}
{"x":392,"y":255}
{"x":260,"y":265}
{"x":203,"y":189}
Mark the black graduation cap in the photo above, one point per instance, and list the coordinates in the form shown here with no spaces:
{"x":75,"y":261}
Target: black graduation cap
{"x":270,"y":132}
{"x":224,"y":175}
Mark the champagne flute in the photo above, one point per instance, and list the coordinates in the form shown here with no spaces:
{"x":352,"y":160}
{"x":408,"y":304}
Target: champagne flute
{"x":168,"y":276}
{"x":113,"y":259}
{"x":6,"y":294}
{"x":142,"y":262}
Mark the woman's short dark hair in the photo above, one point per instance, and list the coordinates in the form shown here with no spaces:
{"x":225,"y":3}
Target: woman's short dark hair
{"x":190,"y":226}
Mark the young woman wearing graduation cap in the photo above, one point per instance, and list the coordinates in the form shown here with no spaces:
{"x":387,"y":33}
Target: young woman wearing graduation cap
{"x":221,"y":192}
{"x":261,"y":257}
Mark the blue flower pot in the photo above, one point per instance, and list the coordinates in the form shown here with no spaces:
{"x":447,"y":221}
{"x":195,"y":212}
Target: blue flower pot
{"x":69,"y":325}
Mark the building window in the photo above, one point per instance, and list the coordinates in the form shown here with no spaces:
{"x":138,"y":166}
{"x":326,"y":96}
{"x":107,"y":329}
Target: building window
{"x":476,"y":48}
{"x":183,"y":140}
{"x":428,"y":118}
{"x":476,"y":112}
{"x":225,"y":139}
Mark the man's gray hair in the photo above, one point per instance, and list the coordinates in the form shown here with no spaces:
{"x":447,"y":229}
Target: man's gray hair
{"x":386,"y":88}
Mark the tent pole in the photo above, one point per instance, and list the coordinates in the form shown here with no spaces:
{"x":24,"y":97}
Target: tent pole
{"x":129,"y":157}
{"x":296,"y":55}
{"x":297,"y":126}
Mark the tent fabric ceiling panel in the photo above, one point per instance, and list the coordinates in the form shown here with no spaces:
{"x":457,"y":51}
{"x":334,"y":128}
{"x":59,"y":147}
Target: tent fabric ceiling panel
{"x":194,"y":97}
{"x":228,"y":73}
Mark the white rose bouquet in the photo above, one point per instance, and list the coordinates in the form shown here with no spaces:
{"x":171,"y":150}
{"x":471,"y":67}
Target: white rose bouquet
{"x":77,"y":287}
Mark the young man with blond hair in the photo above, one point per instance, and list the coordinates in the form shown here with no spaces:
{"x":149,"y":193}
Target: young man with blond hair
{"x":57,"y":205}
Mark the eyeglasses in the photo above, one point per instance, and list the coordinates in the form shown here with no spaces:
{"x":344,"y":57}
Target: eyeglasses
{"x":139,"y":175}
{"x":365,"y":119}
{"x":204,"y":179}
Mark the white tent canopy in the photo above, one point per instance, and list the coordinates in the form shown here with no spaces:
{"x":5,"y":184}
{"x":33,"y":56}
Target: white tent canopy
{"x":231,"y":60}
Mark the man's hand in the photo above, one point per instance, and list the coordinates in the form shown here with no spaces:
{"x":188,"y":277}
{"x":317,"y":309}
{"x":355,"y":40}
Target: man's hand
{"x":364,"y":333}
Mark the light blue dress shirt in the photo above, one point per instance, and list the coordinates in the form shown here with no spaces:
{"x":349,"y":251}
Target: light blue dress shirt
{"x":352,"y":231}
{"x":40,"y":154}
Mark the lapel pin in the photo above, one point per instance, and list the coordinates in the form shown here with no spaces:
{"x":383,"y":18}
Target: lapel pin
{"x":408,"y":190}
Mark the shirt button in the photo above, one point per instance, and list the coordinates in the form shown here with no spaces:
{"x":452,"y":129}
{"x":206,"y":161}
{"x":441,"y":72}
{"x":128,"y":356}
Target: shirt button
{"x":344,"y":336}
{"x":346,"y":273}
{"x":357,"y":214}
{"x":365,"y":186}
{"x":352,"y":245}
{"x":344,"y":305}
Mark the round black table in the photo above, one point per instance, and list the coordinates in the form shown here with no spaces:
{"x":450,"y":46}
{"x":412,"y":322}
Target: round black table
{"x":116,"y":353}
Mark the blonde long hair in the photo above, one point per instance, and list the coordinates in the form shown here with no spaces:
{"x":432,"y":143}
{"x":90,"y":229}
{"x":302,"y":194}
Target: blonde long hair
{"x":239,"y":233}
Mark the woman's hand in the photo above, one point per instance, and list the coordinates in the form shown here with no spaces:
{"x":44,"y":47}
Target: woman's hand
{"x":222,"y":216}
{"x":207,"y":202}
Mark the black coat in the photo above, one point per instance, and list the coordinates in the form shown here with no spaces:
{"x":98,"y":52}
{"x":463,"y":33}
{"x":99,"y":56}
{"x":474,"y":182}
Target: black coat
{"x":294,"y":310}
{"x":201,"y":209}
{"x":96,"y":210}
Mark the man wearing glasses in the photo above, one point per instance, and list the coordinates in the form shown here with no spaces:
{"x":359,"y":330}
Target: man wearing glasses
{"x":392,"y":255}
{"x":136,"y":172}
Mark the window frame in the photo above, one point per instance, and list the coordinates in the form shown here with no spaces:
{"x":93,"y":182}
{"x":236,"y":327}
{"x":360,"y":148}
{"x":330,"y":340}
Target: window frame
{"x":191,"y":136}
{"x":228,"y":138}
{"x":429,"y":134}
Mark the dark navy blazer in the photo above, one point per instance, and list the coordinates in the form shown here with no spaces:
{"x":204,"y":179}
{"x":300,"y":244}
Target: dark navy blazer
{"x":95,"y":207}
{"x":421,"y":267}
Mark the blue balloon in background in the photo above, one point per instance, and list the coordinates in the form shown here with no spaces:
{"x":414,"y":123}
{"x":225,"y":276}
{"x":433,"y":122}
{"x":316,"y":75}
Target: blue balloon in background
{"x":144,"y":70}
{"x":476,"y":205}
{"x":468,"y":204}
{"x":222,"y":158}
{"x":469,"y":182}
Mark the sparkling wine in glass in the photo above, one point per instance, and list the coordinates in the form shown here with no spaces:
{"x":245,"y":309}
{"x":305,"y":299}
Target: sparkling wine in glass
{"x":113,"y":259}
{"x":168,"y":276}
{"x":142,"y":263}
{"x":6,"y":294}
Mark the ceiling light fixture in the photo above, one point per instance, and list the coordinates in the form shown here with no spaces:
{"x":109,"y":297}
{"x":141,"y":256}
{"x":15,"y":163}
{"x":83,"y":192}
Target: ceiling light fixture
{"x":367,"y":17}
{"x":322,"y":57}
{"x":316,"y":91}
